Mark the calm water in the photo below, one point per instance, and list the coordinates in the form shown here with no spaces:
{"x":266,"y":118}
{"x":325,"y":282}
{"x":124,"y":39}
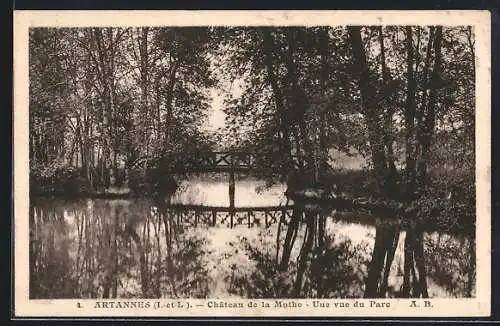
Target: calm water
{"x":92,"y":248}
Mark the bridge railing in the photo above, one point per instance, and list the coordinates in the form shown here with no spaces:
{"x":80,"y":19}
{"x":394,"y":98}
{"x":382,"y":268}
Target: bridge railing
{"x":216,"y":161}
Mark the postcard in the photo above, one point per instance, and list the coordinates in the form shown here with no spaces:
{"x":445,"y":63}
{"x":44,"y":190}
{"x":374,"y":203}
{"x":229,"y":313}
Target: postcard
{"x":252,"y":163}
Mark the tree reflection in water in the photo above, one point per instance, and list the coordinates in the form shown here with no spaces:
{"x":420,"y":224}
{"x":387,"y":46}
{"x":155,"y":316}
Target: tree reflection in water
{"x":414,"y":274}
{"x":133,"y":249}
{"x":110,"y":249}
{"x":451,"y":262}
{"x":321,"y":266}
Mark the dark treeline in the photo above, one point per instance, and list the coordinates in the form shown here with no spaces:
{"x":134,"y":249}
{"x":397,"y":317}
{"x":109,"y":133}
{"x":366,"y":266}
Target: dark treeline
{"x":401,"y":96}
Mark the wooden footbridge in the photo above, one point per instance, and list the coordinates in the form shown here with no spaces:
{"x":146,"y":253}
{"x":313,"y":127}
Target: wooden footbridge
{"x":232,"y":162}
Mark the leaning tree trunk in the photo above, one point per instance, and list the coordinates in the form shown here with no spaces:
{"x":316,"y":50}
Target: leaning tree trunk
{"x":291,"y":235}
{"x":306,"y":249}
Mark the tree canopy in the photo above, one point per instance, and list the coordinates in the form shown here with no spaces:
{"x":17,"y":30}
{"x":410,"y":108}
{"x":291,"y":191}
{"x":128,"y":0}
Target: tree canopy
{"x":102,"y":99}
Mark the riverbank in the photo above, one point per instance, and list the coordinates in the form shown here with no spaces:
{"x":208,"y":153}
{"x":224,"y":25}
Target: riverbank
{"x":122,"y":193}
{"x":448,"y":202}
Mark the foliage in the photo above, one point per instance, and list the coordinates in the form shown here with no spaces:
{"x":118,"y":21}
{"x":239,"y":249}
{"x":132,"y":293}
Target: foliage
{"x":449,"y":201}
{"x":57,"y":178}
{"x":451,"y":263}
{"x":108,"y":99}
{"x":332,"y":271}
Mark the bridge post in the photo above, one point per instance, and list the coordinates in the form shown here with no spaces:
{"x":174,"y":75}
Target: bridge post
{"x":231,"y":195}
{"x":231,"y":181}
{"x":231,"y":189}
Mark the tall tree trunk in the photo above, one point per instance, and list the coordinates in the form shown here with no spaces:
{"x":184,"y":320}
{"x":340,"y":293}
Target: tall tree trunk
{"x":420,"y":113}
{"x":429,"y":115}
{"x":112,"y":102}
{"x":106,"y":45}
{"x":371,"y":107}
{"x":324,"y":75}
{"x":144,"y":82}
{"x":86,"y":143}
{"x":410,"y":108}
{"x":269,"y":47}
{"x":105,"y":129}
{"x":297,"y":99}
{"x":388,"y":115}
{"x":157,"y":114}
{"x":169,"y":102}
{"x":385,"y":237}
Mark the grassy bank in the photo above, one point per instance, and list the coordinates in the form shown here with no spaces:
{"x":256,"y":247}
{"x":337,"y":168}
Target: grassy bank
{"x":447,"y":202}
{"x":67,"y":182}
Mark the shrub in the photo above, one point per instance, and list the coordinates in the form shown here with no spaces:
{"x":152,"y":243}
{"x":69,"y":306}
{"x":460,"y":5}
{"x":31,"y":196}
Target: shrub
{"x":447,"y":201}
{"x":153,"y":181}
{"x":119,"y":177}
{"x":352,"y":182}
{"x":76,"y":186}
{"x":161,"y":181}
{"x":454,"y":194}
{"x":57,"y":178}
{"x":138,"y":182}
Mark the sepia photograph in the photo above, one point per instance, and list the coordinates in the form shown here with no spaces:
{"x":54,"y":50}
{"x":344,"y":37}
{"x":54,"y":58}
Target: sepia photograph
{"x":275,"y":162}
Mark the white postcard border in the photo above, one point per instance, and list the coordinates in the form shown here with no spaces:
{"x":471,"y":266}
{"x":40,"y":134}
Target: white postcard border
{"x":480,"y":20}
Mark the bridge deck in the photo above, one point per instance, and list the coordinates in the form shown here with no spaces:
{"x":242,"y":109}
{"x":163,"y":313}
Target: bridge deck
{"x":233,"y":162}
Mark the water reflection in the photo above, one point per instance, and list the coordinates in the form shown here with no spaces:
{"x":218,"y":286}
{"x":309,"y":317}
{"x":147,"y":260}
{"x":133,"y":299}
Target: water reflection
{"x":139,"y":248}
{"x":113,"y":248}
{"x":248,"y":192}
{"x":301,"y":262}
